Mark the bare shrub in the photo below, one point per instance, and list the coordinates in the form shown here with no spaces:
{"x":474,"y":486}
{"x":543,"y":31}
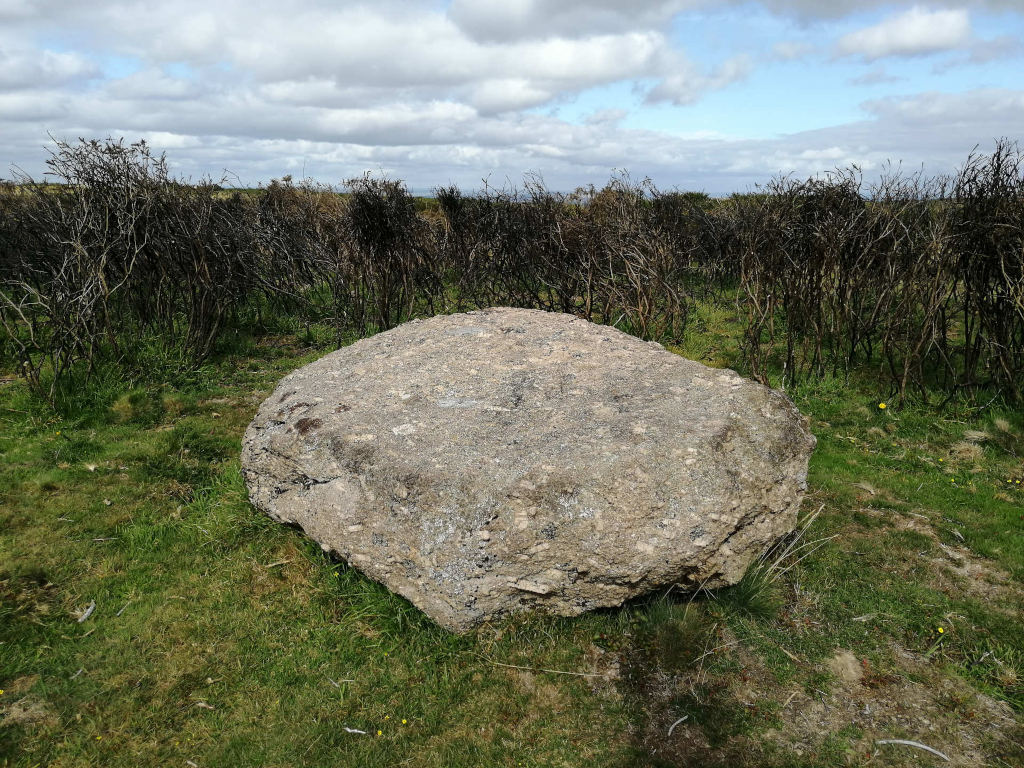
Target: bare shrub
{"x":920,"y":279}
{"x":599,"y":254}
{"x":79,"y":242}
{"x":988,"y":230}
{"x":385,"y":265}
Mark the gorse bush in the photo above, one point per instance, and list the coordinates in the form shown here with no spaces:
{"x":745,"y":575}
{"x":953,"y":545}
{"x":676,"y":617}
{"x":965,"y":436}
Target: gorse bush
{"x":921,"y":279}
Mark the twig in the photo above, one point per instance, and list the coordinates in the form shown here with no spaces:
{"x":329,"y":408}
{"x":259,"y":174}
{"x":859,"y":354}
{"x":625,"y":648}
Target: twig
{"x":80,"y":671}
{"x":204,"y":705}
{"x":194,"y":765}
{"x":793,"y":656}
{"x":815,"y":546}
{"x":116,"y":615}
{"x":311,"y":744}
{"x":917,"y":744}
{"x":352,"y":730}
{"x":865,"y":617}
{"x":537,"y":669}
{"x":677,"y":722}
{"x":715,"y":650}
{"x":791,"y":697}
{"x":88,"y":612}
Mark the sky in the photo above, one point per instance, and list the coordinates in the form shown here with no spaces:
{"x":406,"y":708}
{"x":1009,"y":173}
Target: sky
{"x":714,"y":96}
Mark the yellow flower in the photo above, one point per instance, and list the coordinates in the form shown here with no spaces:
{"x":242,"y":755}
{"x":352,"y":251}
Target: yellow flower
{"x":387,"y":717}
{"x":941,"y":630}
{"x":882,"y":406}
{"x":380,"y":733}
{"x":404,"y":721}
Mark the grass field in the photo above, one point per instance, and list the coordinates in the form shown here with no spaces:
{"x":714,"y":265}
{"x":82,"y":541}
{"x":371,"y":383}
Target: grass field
{"x":149,"y":616}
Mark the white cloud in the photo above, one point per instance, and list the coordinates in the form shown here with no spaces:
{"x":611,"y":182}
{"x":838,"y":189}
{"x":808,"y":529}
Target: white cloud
{"x":504,"y":20}
{"x":788,"y":50}
{"x":507,"y":94}
{"x":1002,"y":47}
{"x":446,"y":142}
{"x":983,"y":52}
{"x":606,"y":117}
{"x":912,"y":33}
{"x":433,"y":95}
{"x":24,"y":69}
{"x":430,"y":52}
{"x":976,"y":110}
{"x":687,"y":83}
{"x":16,"y":9}
{"x":26,"y":106}
{"x":836,"y":9}
{"x":875,"y":76}
{"x":154,"y":85}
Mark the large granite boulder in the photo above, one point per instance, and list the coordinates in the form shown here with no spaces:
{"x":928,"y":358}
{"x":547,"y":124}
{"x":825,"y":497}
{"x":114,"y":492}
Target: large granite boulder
{"x":484,"y":463}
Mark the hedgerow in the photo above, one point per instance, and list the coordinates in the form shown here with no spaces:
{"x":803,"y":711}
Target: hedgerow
{"x":920,"y":280}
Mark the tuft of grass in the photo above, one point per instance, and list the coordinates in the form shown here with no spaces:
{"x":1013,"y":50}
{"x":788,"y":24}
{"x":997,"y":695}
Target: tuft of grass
{"x":976,"y":435}
{"x":756,"y":595}
{"x":142,"y":406}
{"x":966,"y":451}
{"x":680,"y":636}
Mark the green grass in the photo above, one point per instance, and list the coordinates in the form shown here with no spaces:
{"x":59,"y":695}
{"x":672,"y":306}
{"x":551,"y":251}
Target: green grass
{"x":222,"y":638}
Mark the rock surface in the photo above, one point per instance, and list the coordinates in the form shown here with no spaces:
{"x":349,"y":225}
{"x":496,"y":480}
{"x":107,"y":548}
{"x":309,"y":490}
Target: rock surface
{"x":484,"y":463}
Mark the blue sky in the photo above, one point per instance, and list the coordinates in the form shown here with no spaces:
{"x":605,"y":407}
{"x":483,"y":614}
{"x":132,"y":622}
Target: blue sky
{"x":717,"y":96}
